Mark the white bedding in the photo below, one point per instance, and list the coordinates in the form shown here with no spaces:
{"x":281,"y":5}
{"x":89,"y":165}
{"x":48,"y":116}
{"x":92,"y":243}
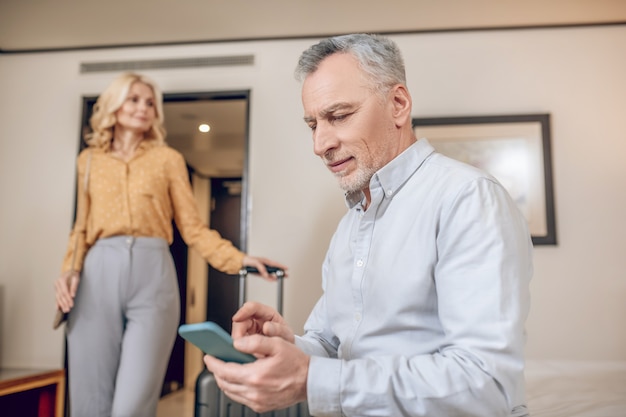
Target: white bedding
{"x":576,"y":389}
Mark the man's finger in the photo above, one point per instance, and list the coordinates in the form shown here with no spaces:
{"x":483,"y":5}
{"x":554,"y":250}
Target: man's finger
{"x":257,"y":345}
{"x":212,"y":363}
{"x":255,"y":310}
{"x":273,"y":329}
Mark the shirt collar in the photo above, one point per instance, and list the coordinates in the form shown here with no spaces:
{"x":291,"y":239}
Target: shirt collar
{"x":143,"y":146}
{"x":394,"y":175}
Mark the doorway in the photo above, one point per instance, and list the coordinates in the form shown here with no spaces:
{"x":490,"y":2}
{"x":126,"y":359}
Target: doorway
{"x":216,"y":155}
{"x":217,"y":163}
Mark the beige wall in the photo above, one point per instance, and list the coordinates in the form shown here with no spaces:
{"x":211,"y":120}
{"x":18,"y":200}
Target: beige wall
{"x":577,"y":75}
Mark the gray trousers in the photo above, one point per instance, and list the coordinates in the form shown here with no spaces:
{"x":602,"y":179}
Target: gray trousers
{"x":122,"y":328}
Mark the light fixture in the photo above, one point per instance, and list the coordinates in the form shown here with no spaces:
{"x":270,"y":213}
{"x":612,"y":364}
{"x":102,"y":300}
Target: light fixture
{"x":204,"y":128}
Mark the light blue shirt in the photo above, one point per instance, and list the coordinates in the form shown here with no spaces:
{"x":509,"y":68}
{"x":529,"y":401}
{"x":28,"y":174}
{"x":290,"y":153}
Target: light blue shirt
{"x":425,"y":297}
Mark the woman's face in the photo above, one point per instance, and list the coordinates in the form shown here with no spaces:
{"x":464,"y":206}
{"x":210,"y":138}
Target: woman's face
{"x":138,"y":111}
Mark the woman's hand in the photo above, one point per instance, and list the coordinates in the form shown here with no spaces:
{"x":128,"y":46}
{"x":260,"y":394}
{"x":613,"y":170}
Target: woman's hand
{"x":65,"y":287}
{"x":259,"y":263}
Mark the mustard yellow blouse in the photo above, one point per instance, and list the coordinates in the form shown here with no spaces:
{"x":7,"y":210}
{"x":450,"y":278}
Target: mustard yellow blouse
{"x":140,"y":198}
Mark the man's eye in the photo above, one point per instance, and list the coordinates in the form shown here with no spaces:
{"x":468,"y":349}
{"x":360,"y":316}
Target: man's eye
{"x":338,"y":117}
{"x":313,"y":126}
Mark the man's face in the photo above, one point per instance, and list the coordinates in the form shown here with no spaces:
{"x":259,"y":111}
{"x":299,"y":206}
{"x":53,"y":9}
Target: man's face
{"x":352,"y":126}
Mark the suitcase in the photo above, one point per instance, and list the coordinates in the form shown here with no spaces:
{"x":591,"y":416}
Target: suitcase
{"x":210,"y":401}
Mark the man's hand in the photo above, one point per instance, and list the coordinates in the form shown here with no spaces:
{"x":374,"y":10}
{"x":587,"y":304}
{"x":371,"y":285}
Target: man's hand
{"x":255,"y":318}
{"x":276,"y":380}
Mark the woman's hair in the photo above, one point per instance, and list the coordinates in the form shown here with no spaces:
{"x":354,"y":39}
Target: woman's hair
{"x":103,"y":119}
{"x":378,"y":57}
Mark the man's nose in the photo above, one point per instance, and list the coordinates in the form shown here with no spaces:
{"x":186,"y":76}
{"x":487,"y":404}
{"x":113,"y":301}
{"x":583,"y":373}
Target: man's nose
{"x":323,"y":140}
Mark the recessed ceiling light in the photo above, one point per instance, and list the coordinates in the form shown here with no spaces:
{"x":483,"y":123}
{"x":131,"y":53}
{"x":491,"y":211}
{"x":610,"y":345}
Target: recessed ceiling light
{"x":204,"y":128}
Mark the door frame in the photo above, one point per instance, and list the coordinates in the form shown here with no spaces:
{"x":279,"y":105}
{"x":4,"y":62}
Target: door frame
{"x":197,"y":277}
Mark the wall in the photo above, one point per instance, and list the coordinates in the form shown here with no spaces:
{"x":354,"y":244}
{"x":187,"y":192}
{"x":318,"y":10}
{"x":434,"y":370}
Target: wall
{"x":576,"y":74}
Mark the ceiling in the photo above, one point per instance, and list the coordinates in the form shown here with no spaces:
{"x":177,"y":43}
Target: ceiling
{"x":35,"y":25}
{"x":28,"y":26}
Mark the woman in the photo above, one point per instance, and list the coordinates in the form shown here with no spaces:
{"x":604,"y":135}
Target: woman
{"x":118,"y":275}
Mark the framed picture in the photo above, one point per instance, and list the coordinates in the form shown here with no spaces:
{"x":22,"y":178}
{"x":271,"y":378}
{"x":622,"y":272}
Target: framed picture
{"x":515,"y":149}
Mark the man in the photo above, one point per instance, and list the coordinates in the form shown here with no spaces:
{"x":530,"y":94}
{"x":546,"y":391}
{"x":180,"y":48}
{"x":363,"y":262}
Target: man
{"x":425,"y":280}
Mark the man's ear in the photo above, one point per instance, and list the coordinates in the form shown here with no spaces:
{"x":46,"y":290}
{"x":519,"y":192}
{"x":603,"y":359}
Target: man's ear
{"x":401,"y":104}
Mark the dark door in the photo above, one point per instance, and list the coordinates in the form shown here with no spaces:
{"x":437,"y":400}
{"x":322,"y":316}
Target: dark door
{"x":223,"y":289}
{"x":174,"y":376}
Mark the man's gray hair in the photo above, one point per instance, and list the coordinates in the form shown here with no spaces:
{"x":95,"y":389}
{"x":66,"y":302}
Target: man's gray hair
{"x":378,"y":56}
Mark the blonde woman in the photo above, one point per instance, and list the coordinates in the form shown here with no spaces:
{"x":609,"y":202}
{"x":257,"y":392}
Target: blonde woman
{"x":118,"y":281}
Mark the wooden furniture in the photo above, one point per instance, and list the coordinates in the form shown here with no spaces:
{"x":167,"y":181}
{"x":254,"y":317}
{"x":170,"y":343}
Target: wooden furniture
{"x":32,"y":392}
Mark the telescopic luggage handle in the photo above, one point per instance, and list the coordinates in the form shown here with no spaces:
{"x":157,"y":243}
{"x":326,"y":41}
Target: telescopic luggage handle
{"x":280,"y":274}
{"x":271,"y":269}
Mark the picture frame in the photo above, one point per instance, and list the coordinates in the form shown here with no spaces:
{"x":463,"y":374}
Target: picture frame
{"x":515,"y":149}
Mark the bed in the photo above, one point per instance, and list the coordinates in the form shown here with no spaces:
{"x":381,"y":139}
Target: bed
{"x":576,"y":389}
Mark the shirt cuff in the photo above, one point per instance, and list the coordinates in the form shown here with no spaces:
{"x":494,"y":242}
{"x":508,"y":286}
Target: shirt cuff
{"x":323,"y":387}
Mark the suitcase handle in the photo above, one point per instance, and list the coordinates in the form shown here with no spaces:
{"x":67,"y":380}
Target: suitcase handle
{"x":280,"y":275}
{"x":270,"y":269}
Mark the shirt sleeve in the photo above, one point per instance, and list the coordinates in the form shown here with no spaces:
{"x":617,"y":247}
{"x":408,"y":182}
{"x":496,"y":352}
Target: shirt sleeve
{"x":220,"y":253}
{"x":482,"y":273}
{"x":77,"y":246}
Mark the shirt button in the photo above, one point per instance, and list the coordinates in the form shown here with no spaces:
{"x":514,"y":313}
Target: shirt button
{"x":129,"y":240}
{"x":389,"y":192}
{"x":359,"y":263}
{"x":357,"y":316}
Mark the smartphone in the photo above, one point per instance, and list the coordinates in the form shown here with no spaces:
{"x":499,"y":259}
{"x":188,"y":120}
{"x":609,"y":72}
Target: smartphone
{"x":213,"y":340}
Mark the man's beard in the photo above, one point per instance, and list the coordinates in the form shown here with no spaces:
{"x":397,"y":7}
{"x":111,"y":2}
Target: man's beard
{"x":356,"y":181}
